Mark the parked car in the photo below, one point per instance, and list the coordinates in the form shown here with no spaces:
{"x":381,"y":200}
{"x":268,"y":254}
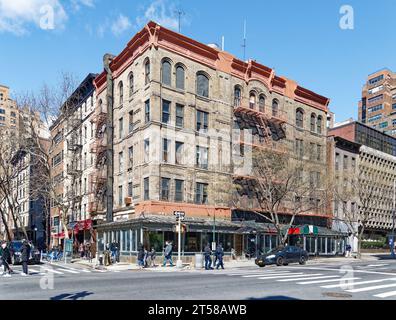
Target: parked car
{"x":16,"y":251}
{"x":282,"y":256}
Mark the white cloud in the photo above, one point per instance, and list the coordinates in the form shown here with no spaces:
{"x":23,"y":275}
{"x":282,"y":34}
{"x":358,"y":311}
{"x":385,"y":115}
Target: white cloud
{"x":162,"y":12}
{"x":17,"y":15}
{"x":121,"y":24}
{"x":76,"y":4}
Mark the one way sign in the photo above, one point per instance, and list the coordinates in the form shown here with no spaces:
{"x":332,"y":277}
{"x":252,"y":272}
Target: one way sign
{"x":179,"y":214}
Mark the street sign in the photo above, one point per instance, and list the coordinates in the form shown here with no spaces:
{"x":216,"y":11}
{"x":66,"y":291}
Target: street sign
{"x":179,"y":215}
{"x":68,"y":245}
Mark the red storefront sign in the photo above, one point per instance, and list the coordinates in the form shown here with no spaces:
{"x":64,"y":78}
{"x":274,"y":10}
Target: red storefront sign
{"x":294,"y":231}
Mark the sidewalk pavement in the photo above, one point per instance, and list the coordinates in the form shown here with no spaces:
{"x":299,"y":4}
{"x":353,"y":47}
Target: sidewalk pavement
{"x":243,"y":263}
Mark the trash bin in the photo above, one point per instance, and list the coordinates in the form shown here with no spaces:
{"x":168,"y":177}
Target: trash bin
{"x":198,"y":261}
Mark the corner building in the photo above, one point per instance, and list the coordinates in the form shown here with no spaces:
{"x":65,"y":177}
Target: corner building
{"x":166,"y":111}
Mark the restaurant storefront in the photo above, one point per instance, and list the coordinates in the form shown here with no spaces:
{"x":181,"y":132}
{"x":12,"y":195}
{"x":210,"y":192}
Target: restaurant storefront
{"x":246,"y":238}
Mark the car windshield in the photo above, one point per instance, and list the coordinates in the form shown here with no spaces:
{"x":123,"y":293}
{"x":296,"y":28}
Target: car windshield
{"x":275,"y":250}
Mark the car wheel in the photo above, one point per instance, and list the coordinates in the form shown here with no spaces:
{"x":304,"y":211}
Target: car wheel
{"x":261,"y":265}
{"x":303,"y":260}
{"x":280,"y":261}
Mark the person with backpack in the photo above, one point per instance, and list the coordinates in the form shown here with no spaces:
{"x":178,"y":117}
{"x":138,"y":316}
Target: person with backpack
{"x":168,"y":254}
{"x":140,"y":256}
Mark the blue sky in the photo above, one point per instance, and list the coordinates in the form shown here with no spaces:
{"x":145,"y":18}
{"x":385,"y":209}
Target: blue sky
{"x":301,"y":39}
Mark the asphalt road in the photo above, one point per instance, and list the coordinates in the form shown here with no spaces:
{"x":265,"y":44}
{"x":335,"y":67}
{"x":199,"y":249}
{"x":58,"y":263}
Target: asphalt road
{"x":355,"y":281}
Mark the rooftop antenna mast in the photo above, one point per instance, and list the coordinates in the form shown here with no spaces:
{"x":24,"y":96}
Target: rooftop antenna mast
{"x":180,"y":13}
{"x":244,"y":40}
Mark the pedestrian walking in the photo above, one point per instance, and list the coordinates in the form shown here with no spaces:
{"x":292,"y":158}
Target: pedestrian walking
{"x":208,"y":259}
{"x":81,"y":250}
{"x":219,"y":255}
{"x":153,"y":255}
{"x":6,"y":258}
{"x":168,"y":254}
{"x":233,"y":254}
{"x":107,"y":256}
{"x":348,"y":249}
{"x":140,"y":256}
{"x":25,"y":254}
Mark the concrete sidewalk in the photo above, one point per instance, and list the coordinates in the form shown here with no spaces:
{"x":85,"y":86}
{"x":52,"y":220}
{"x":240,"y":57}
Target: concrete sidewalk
{"x":242,"y":263}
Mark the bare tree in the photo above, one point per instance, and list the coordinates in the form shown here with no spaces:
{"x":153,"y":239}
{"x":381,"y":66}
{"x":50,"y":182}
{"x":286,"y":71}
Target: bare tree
{"x":281,"y":186}
{"x":359,"y":189}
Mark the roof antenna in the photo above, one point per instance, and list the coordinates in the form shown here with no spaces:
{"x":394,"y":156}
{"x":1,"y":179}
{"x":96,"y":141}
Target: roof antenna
{"x":180,"y":13}
{"x":244,"y":40}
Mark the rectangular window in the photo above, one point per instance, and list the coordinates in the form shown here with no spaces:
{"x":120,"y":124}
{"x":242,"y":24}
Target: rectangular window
{"x":146,"y":150}
{"x":202,"y":157}
{"x":375,"y":118}
{"x":299,"y":148}
{"x":179,"y":115}
{"x":165,"y":111}
{"x":375,"y":108}
{"x":121,"y":161}
{"x":319,"y":152}
{"x":165,"y":189}
{"x":179,"y":188}
{"x":376,"y":98}
{"x":121,"y":127}
{"x":2,"y":111}
{"x":202,"y":120}
{"x":383,"y":125}
{"x":130,"y":156}
{"x":201,"y":193}
{"x":120,"y":196}
{"x":130,"y":188}
{"x":131,"y":126}
{"x":376,"y":79}
{"x":147,"y":111}
{"x":345,"y":162}
{"x":353,"y":163}
{"x":2,"y":118}
{"x":312,"y":151}
{"x":179,"y":152}
{"x":146,"y":189}
{"x":165,"y":150}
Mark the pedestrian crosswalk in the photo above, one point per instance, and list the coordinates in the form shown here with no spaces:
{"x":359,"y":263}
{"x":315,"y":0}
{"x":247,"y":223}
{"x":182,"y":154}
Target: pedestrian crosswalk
{"x":381,"y":288}
{"x":60,"y":270}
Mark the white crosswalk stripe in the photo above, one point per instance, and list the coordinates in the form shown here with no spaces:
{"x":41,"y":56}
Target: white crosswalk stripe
{"x":68,"y":270}
{"x":308,"y":277}
{"x":53,"y":271}
{"x":372,"y":288}
{"x":290,"y":275}
{"x":386,"y":294}
{"x":329,"y":280}
{"x":265,"y":275}
{"x":340,"y":285}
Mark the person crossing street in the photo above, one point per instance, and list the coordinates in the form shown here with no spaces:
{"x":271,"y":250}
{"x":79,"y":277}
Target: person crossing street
{"x":25,"y":254}
{"x":6,"y":258}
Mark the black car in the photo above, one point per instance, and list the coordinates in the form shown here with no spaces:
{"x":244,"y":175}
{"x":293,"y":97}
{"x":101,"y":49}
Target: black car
{"x":283,"y":256}
{"x":16,"y":252}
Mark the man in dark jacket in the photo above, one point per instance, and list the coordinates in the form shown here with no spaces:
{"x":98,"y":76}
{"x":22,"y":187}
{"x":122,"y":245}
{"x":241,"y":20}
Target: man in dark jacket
{"x":25,"y":254}
{"x":140,"y":256}
{"x":168,"y":254}
{"x":219,"y":255}
{"x":208,"y":259}
{"x":6,"y":258}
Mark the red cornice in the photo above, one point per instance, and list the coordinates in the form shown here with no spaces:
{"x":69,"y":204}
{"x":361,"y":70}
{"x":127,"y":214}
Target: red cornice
{"x":155,"y":35}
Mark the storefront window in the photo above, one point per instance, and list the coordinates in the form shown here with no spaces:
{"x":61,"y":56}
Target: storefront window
{"x":274,"y":242}
{"x":192,"y":242}
{"x":267,"y":243}
{"x":156,"y":241}
{"x":134,"y":240}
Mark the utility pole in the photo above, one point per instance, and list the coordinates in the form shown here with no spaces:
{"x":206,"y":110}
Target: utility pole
{"x":180,"y":13}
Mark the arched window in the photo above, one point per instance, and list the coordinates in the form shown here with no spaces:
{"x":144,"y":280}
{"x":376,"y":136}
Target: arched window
{"x":300,"y":118}
{"x":275,"y":108}
{"x":131,"y":84}
{"x":261,"y":103}
{"x":166,"y":73}
{"x":237,"y":96}
{"x":121,"y":92}
{"x":252,"y":100}
{"x":100,"y":105}
{"x":202,"y":85}
{"x":313,"y":120}
{"x":147,"y":72}
{"x":180,"y":77}
{"x":319,"y":125}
